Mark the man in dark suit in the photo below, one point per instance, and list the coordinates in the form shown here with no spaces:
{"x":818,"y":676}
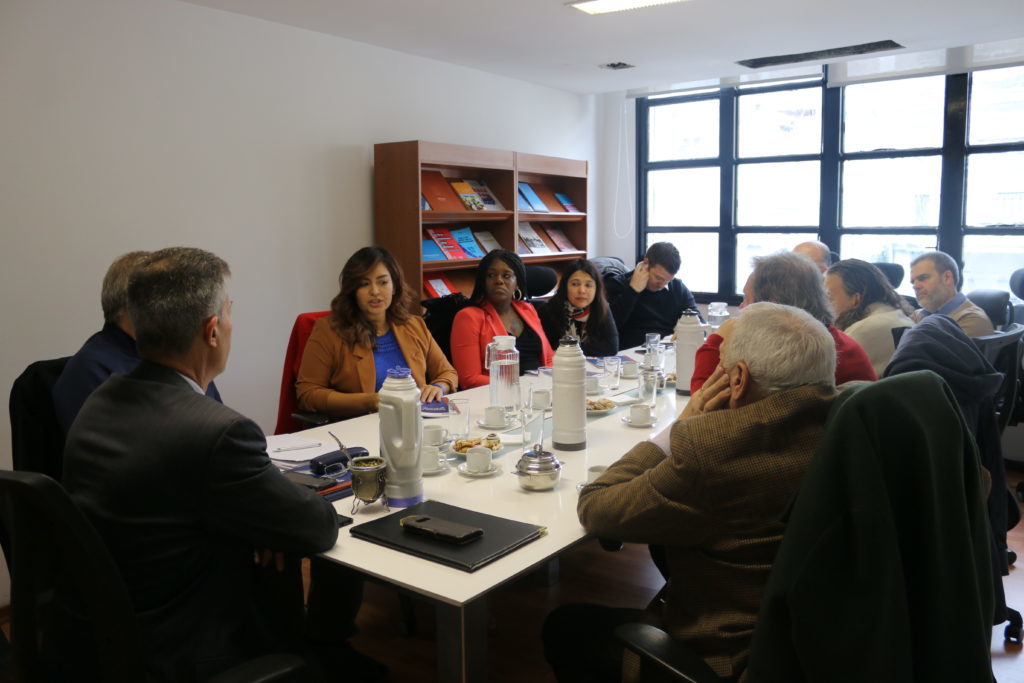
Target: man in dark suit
{"x":110,"y":350}
{"x":180,"y":486}
{"x":711,"y":488}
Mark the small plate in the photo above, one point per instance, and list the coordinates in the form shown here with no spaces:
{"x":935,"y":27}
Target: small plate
{"x":435,"y":471}
{"x":638,"y":425}
{"x":598,"y":392}
{"x":495,"y":469}
{"x":603,"y":411}
{"x":498,"y":428}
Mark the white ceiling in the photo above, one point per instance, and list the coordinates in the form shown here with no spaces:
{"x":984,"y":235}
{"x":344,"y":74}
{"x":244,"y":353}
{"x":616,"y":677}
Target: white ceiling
{"x":549,"y":43}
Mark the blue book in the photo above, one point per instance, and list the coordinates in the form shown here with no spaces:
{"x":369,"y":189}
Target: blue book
{"x":464,"y":236}
{"x":521,"y":202}
{"x":532,"y":199}
{"x":432,"y":252}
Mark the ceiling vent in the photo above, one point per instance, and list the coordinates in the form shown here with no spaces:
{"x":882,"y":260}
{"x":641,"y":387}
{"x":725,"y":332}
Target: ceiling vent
{"x":821,"y":55}
{"x":617,"y":66}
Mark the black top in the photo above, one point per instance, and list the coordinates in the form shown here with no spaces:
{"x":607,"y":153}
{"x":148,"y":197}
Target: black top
{"x":595,"y":341}
{"x":637,"y":314}
{"x":530,"y":350}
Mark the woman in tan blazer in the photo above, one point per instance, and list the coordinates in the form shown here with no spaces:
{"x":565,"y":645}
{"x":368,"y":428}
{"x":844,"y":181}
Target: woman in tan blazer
{"x":369,"y":331}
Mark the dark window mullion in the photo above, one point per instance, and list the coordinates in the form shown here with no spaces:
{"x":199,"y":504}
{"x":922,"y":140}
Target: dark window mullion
{"x":642,"y":165}
{"x":831,"y":184}
{"x":954,"y":167}
{"x":727,"y":146}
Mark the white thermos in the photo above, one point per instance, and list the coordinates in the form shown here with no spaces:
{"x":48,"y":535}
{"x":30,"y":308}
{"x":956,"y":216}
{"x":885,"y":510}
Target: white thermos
{"x":689,"y":338}
{"x":569,"y":397}
{"x":400,"y":438}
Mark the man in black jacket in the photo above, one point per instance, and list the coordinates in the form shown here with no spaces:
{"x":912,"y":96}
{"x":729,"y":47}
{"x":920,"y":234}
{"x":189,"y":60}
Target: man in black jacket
{"x":649,"y":298}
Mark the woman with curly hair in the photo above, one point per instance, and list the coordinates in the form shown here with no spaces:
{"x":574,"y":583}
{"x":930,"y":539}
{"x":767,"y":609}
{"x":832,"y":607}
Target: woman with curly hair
{"x":369,"y":331}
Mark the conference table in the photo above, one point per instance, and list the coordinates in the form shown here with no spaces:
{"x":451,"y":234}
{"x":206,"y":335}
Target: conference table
{"x":460,"y":598}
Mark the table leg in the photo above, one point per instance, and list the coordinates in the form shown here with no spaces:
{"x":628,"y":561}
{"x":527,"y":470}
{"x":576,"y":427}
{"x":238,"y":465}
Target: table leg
{"x":462,"y":642}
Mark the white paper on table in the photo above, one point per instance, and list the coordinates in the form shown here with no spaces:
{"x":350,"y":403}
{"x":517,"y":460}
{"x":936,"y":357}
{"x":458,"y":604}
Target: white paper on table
{"x":295,"y":448}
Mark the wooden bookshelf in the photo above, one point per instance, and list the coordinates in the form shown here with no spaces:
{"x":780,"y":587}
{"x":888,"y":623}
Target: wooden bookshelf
{"x":399,"y":219}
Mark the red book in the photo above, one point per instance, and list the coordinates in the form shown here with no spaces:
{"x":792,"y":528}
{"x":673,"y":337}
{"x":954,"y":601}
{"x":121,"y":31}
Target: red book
{"x":438,"y":285}
{"x":438,"y":193}
{"x":448,"y":244}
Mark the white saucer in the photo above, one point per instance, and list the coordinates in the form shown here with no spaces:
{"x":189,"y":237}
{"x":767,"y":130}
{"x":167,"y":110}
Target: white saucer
{"x":638,"y":425}
{"x":595,"y":393}
{"x":511,"y":424}
{"x":435,"y":471}
{"x":603,"y":411}
{"x":495,"y":468}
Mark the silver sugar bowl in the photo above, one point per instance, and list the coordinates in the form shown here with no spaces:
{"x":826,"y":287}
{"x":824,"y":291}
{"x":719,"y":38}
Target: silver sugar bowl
{"x":538,"y":470}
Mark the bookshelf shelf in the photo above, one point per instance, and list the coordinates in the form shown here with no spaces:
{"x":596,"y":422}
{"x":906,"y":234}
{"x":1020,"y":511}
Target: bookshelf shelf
{"x":401,"y":170}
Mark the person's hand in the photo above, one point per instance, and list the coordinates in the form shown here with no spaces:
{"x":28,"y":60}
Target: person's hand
{"x":714,"y":395}
{"x":641,"y":274}
{"x":431,"y":393}
{"x":266,"y":555}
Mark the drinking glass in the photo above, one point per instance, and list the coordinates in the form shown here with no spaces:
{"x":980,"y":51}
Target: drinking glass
{"x":458,"y":418}
{"x":718,"y":313}
{"x":653,"y":338}
{"x":532,"y":413}
{"x":647,"y":391}
{"x":612,"y":368}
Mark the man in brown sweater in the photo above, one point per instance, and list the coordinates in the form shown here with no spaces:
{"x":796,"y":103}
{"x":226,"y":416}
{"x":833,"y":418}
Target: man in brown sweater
{"x":711,"y":488}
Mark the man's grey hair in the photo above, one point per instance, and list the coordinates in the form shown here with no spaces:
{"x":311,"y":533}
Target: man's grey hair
{"x":792,"y":279}
{"x":942,"y":262}
{"x":783,"y":346}
{"x":114,"y":294}
{"x":171,"y":294}
{"x":824,"y":254}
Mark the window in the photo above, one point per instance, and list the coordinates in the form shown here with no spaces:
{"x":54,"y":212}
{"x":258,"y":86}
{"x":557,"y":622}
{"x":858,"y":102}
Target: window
{"x":879,"y":171}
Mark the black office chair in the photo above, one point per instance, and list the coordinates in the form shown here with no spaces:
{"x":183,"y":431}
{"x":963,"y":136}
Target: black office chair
{"x":996,"y":304}
{"x":49,"y":543}
{"x":540,"y":281}
{"x":1017,"y":287}
{"x":609,"y":266}
{"x":883,"y":571}
{"x":1004,"y":350}
{"x":37,"y":442}
{"x":438,"y":315}
{"x":893,"y":272}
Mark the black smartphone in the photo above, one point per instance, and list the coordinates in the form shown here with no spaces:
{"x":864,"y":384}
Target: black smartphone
{"x":310,"y":481}
{"x":343,"y":520}
{"x":441,"y":529}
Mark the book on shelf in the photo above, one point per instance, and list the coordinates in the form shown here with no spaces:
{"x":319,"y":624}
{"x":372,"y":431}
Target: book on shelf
{"x":521,"y":247}
{"x":564,"y":200}
{"x":438,"y":193}
{"x":532,"y":199}
{"x":437,"y":285}
{"x":487,"y":241}
{"x":424,"y":204}
{"x":432,"y":252}
{"x":547,"y":197}
{"x":532,"y":239}
{"x":521,"y":202}
{"x":470,"y":199}
{"x":464,"y":236}
{"x":558,"y":237}
{"x":491,"y":202}
{"x":448,"y":245}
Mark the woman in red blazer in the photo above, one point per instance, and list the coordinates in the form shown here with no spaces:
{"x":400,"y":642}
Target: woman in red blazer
{"x":498,"y":309}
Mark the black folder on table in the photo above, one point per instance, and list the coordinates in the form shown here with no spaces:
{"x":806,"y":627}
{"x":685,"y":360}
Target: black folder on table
{"x":501,"y":536}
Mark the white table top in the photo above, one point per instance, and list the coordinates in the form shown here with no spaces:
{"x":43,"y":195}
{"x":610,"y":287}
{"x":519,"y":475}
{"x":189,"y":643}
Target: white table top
{"x":607,"y":439}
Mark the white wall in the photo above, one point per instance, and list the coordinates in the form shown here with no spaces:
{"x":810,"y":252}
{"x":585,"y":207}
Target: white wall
{"x":139,"y":124}
{"x":615,"y":178}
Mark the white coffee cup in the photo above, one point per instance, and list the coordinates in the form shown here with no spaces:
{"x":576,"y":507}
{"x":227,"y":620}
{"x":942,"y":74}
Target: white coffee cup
{"x":541,"y":399}
{"x":596,"y":471}
{"x":494,"y":416}
{"x":630,"y":369}
{"x":430,"y":457}
{"x":478,"y":459}
{"x":435,"y":435}
{"x":640,"y":413}
{"x":593,"y":384}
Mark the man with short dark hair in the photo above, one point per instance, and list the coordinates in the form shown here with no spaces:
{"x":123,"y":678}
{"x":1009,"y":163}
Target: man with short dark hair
{"x":180,"y":487}
{"x":110,"y":350}
{"x":711,"y":488}
{"x":936,"y":281}
{"x":649,"y":298}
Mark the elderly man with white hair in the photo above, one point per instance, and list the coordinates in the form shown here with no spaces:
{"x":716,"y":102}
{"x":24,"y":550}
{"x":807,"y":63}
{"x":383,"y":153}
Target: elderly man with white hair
{"x":712,"y":489}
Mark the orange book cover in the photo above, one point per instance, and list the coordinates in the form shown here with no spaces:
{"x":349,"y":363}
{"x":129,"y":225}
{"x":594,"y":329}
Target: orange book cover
{"x":438,"y":193}
{"x":547,"y":196}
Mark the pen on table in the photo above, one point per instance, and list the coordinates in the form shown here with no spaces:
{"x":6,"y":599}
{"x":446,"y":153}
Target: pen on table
{"x":315,"y":444}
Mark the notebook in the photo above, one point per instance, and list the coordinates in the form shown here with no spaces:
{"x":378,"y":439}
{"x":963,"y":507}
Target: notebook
{"x":501,"y":536}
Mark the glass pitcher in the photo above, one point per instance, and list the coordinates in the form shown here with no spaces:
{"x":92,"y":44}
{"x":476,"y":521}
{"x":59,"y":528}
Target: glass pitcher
{"x":502,"y":360}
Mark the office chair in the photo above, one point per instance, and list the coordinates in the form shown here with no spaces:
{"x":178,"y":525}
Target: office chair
{"x":996,"y":304}
{"x":894,"y":274}
{"x":1017,"y":287}
{"x":883,"y":571}
{"x":51,"y":545}
{"x":438,"y":314}
{"x":37,"y":441}
{"x":1003,"y":350}
{"x":540,"y":281}
{"x":288,"y":420}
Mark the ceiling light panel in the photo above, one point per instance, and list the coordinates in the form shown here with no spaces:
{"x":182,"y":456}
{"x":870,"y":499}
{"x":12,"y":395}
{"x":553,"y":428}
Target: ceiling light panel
{"x":606,"y":6}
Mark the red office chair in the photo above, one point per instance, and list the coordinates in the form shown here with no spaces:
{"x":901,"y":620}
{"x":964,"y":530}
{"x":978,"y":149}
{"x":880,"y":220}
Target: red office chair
{"x":286,"y":423}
